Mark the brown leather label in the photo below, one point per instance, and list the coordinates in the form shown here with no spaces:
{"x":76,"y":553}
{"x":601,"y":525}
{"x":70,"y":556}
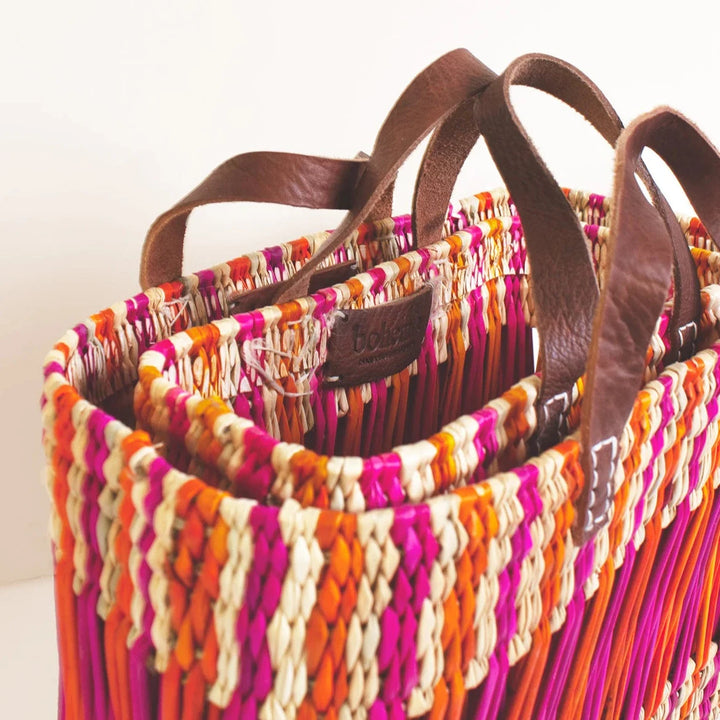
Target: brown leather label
{"x":373,"y":343}
{"x":263,"y":295}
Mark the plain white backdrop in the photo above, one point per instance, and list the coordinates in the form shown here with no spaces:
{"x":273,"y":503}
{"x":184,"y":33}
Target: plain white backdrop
{"x":112,"y":111}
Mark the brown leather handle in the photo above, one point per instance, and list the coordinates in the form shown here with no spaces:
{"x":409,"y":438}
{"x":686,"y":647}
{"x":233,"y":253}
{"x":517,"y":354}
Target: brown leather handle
{"x":450,"y":146}
{"x":363,"y":188}
{"x":564,"y":287}
{"x":431,"y":97}
{"x":640,"y":256}
{"x":270,"y":177}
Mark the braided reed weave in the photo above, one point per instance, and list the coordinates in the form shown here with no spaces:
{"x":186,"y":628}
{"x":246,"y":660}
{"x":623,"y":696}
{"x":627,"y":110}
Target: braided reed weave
{"x":434,"y":574}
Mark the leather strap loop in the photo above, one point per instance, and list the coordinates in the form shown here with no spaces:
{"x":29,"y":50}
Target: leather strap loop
{"x":270,"y":177}
{"x":430,"y":98}
{"x":564,"y":286}
{"x":640,"y":257}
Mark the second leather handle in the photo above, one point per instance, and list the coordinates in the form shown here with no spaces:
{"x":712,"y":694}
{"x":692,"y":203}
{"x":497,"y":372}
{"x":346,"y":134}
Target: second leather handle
{"x":564,"y":286}
{"x":640,"y":257}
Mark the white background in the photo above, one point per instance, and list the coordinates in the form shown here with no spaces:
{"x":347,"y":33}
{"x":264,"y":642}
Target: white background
{"x":112,"y":111}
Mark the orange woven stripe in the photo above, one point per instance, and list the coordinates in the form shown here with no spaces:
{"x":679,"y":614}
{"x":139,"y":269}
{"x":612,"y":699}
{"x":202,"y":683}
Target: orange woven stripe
{"x":592,"y":624}
{"x":458,"y":635}
{"x":203,"y":336}
{"x":123,"y":670}
{"x":398,"y":399}
{"x":443,"y":465}
{"x":64,"y":400}
{"x":64,"y":349}
{"x":300,"y":250}
{"x":199,"y":555}
{"x":677,"y":591}
{"x":353,"y":422}
{"x":240,"y":270}
{"x":404,"y":266}
{"x":525,"y":680}
{"x":456,"y":244}
{"x":111,"y":626}
{"x":310,"y":473}
{"x":328,"y":623}
{"x":290,"y":311}
{"x":492,"y":359}
{"x":120,"y":623}
{"x":710,"y":603}
{"x":170,"y":688}
{"x":355,"y":287}
{"x":530,"y":671}
{"x":106,"y":334}
{"x":293,"y":410}
{"x":450,"y":407}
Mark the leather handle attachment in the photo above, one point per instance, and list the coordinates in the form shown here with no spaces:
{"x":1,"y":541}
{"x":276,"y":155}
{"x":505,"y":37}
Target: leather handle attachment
{"x":640,"y":259}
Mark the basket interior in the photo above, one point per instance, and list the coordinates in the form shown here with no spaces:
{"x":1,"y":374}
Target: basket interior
{"x":479,"y":343}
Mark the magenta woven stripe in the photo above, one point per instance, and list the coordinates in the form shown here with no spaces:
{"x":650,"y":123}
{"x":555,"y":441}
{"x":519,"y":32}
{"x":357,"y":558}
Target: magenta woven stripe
{"x":510,"y":330}
{"x":262,"y":596}
{"x":599,"y":666}
{"x":690,"y":615}
{"x":255,"y":475}
{"x":486,"y":702}
{"x":141,"y":652}
{"x":398,"y":663}
{"x":380,"y":481}
{"x":708,"y":701}
{"x":96,"y":453}
{"x":565,"y":641}
{"x":486,"y":441}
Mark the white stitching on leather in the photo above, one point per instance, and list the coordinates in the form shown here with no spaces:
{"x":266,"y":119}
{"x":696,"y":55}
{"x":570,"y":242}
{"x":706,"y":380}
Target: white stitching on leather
{"x":692,"y":324}
{"x":590,"y":522}
{"x":562,"y":396}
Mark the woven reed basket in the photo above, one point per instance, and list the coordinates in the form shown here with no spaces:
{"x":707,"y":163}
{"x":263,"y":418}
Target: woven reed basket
{"x":173,"y":588}
{"x":238,"y":534}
